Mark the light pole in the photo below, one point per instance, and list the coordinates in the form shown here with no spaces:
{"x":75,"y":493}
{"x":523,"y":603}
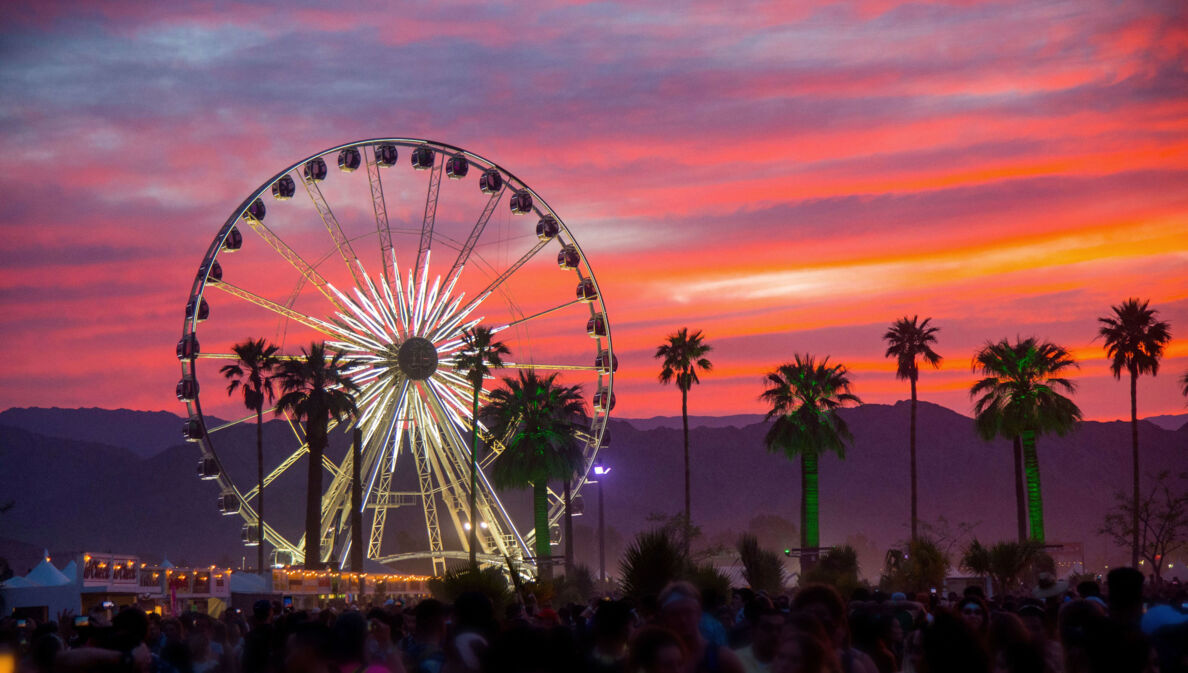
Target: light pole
{"x":601,"y":471}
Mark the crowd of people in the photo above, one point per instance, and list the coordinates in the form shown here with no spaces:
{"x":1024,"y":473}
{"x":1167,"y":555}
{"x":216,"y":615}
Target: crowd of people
{"x":1089,"y":629}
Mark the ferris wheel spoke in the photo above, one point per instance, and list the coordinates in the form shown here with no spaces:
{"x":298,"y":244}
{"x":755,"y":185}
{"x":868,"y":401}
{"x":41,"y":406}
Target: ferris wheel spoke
{"x":550,"y":367}
{"x":536,"y":315}
{"x":475,"y":233}
{"x":494,"y":285}
{"x":278,"y":470}
{"x":341,"y":242}
{"x":230,"y":424}
{"x":382,"y":229}
{"x":430,"y":218}
{"x":310,"y":322}
{"x":308,"y":272}
{"x":233,"y":356}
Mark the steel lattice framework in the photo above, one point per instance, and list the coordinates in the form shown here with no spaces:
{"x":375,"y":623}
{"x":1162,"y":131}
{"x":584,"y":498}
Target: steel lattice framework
{"x":402,"y":331}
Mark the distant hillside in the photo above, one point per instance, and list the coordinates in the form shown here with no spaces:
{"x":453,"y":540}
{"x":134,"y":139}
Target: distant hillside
{"x":736,"y":420}
{"x":1169,"y":421}
{"x":145,"y":433}
{"x":71,"y":494}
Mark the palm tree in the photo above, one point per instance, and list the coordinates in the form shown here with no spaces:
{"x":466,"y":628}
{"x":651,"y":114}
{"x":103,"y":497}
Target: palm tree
{"x":804,"y":396}
{"x":1019,"y":398}
{"x":682,"y":355}
{"x":317,"y":389}
{"x":540,"y":417}
{"x":907,"y":340}
{"x":252,"y":373}
{"x":479,"y":353}
{"x":1184,"y":384}
{"x":1134,"y":341}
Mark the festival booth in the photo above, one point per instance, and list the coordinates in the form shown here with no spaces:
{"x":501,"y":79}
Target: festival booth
{"x":314,"y":588}
{"x":107,"y":581}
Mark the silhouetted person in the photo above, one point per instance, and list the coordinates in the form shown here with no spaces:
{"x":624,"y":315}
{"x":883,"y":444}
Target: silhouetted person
{"x":611,"y":630}
{"x":657,"y":650}
{"x":951,"y":646}
{"x":824,"y":603}
{"x":1126,"y":595}
{"x":766,"y":625}
{"x":680,"y":612}
{"x":258,"y":642}
{"x":423,"y":650}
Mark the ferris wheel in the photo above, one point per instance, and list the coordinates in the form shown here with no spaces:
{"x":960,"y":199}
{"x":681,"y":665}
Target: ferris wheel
{"x":387,"y":250}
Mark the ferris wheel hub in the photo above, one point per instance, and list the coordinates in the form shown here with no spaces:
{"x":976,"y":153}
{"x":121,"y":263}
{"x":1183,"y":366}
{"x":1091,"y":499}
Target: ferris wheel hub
{"x":417,"y":358}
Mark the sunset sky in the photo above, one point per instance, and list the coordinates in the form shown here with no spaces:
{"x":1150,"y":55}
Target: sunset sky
{"x":787,"y":177}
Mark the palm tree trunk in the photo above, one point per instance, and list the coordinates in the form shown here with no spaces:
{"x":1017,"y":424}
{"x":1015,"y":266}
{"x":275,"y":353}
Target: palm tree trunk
{"x":356,"y":502}
{"x":810,"y":531}
{"x":1035,"y":502}
{"x":316,"y":436}
{"x":912,"y":450}
{"x":568,"y":530}
{"x":1134,"y":521}
{"x":474,"y":482}
{"x":1020,"y":498}
{"x":260,"y":489}
{"x":540,"y":515}
{"x":688,"y":499}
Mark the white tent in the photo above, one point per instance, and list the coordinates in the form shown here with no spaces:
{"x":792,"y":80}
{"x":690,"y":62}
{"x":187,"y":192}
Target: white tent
{"x":16,"y":582}
{"x":71,"y":571}
{"x":47,"y":575}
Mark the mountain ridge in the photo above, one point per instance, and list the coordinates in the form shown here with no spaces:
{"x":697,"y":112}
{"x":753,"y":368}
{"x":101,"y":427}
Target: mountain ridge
{"x":71,"y":494}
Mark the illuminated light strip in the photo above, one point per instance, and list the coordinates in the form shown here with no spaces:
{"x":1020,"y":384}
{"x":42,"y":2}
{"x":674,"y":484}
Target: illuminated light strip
{"x":370,"y":315}
{"x":377,"y":411}
{"x":450,"y":291}
{"x":379,"y":303}
{"x":453,"y":309}
{"x":411,"y":291}
{"x":394,"y":313}
{"x":400,"y":292}
{"x":379,"y":459}
{"x":435,"y":316}
{"x":431,"y":303}
{"x":358,"y":311}
{"x":421,"y":293}
{"x":449,"y":331}
{"x":454,"y":406}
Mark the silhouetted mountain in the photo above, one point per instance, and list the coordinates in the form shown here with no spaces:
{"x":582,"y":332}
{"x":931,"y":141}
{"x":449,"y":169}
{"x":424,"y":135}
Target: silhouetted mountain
{"x":1169,"y":421}
{"x":144,"y":433}
{"x":735,"y":420}
{"x":74,"y":495}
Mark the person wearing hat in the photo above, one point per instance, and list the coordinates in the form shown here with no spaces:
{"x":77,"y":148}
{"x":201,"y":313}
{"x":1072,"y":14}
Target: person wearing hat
{"x":1047,"y":586}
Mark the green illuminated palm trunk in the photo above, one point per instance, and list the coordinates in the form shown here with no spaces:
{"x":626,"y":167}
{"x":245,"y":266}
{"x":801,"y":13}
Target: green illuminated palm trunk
{"x":540,"y":515}
{"x":810,"y":530}
{"x":1035,"y":500}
